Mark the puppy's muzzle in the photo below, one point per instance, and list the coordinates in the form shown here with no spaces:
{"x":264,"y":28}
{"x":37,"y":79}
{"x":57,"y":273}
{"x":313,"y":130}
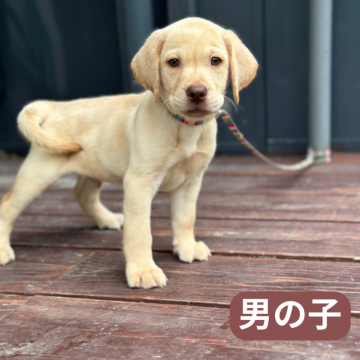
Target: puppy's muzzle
{"x":196,"y":94}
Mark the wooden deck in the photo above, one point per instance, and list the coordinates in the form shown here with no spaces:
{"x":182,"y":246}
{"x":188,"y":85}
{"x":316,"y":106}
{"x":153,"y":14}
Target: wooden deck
{"x":66,"y":297}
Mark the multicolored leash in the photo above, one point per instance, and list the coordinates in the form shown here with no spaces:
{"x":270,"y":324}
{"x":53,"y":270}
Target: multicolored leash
{"x":313,"y":157}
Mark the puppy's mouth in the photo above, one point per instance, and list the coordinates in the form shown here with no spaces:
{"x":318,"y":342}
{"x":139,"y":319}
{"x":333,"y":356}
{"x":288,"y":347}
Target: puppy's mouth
{"x":188,"y":109}
{"x":197,"y":113}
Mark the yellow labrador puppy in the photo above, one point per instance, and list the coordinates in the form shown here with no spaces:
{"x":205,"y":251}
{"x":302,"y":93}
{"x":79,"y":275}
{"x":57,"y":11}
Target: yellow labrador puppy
{"x":147,"y":141}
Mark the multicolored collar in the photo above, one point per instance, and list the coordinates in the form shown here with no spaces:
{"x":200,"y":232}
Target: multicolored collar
{"x":192,"y":123}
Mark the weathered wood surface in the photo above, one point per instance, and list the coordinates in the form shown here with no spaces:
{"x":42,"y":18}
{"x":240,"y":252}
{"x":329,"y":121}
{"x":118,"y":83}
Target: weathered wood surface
{"x":214,"y":282}
{"x":247,"y":174}
{"x":242,"y":237}
{"x":101,"y":274}
{"x":268,"y":229}
{"x":9,"y":303}
{"x":61,"y":328}
{"x":341,"y":162}
{"x":37,"y":268}
{"x":220,"y":206}
{"x":257,"y":184}
{"x":300,"y":182}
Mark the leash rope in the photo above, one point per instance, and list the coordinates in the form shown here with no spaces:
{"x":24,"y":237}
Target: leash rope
{"x":312,"y":157}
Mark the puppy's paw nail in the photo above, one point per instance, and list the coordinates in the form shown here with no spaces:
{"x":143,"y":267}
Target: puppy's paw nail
{"x":191,"y":251}
{"x":150,"y":276}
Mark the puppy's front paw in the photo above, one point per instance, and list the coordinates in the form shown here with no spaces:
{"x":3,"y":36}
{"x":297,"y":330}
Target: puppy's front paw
{"x":188,"y":252}
{"x":112,"y":222}
{"x":6,"y":254}
{"x":145,"y":276}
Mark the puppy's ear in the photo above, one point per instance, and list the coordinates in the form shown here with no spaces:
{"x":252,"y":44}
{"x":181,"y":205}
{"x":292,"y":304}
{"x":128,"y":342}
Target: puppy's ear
{"x":243,"y":65}
{"x":145,"y":64}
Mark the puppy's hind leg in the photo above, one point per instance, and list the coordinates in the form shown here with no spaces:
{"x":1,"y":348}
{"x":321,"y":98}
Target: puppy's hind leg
{"x":87,"y":194}
{"x":39,"y":170}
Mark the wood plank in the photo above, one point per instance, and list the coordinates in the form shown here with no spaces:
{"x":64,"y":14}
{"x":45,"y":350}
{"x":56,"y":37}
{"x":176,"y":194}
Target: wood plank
{"x":242,"y":237}
{"x":9,"y":303}
{"x":216,"y":281}
{"x":296,"y":185}
{"x":37,"y":268}
{"x":222,"y":206}
{"x":61,"y":328}
{"x":233,"y":184}
{"x":66,"y":182}
{"x":341,"y":162}
{"x":10,"y":165}
{"x":234,"y":175}
{"x":279,"y":185}
{"x":72,"y":222}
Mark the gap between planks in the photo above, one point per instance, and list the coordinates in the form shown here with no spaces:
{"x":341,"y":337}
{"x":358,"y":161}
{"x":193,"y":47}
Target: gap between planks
{"x":355,"y":314}
{"x":44,"y":213}
{"x":213,"y":253}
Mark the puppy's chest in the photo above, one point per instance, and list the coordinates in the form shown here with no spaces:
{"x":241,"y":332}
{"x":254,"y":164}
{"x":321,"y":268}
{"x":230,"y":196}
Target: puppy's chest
{"x":183,"y":169}
{"x":188,"y":141}
{"x":185,"y":162}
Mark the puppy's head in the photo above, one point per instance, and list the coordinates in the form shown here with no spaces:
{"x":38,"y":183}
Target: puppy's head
{"x":189,"y":65}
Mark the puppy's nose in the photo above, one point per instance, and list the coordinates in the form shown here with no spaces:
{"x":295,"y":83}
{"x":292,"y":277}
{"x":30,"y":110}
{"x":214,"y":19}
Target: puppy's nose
{"x":196,"y":94}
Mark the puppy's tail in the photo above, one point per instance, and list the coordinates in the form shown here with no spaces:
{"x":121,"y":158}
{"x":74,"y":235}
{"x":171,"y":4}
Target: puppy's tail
{"x":30,"y":120}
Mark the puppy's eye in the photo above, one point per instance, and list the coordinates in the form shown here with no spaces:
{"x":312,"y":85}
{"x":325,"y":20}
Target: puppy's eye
{"x":215,"y":61}
{"x":174,"y":62}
